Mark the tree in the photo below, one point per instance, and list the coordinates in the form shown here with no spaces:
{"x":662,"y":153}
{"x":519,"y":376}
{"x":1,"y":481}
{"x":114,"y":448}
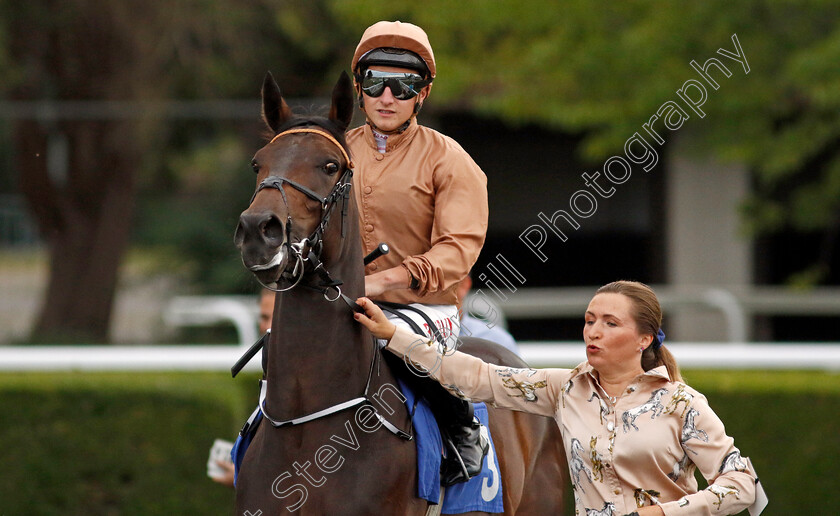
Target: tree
{"x":80,"y":50}
{"x":600,"y":70}
{"x":127,"y":51}
{"x":603,"y":69}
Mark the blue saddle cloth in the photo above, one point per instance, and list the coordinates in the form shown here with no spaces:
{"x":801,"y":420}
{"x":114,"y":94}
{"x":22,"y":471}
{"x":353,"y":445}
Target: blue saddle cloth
{"x":243,"y":440}
{"x":481,"y":493}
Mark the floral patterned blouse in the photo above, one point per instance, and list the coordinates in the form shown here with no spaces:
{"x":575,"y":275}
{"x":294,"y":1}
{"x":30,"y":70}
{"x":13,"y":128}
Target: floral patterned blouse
{"x":639,"y":449}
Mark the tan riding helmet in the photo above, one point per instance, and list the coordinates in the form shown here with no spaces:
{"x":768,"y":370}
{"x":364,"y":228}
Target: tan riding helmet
{"x":380,"y":38}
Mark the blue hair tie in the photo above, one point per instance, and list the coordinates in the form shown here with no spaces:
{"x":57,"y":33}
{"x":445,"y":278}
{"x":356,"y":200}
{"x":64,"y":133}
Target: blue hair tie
{"x":659,"y":339}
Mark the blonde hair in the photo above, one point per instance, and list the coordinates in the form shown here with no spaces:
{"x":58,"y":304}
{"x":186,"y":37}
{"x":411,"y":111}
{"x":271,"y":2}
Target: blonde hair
{"x":647,"y":315}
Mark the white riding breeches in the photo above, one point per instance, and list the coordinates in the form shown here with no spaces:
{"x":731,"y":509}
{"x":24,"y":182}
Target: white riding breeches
{"x":446,"y":319}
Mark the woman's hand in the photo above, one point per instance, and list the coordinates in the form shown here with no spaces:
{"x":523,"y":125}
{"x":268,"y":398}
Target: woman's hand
{"x":374,"y":320}
{"x":653,"y":510}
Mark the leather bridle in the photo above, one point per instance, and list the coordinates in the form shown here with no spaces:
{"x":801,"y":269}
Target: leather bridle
{"x":309,"y":249}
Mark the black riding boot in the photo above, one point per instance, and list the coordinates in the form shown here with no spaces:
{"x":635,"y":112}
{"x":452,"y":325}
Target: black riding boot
{"x":461,"y":431}
{"x":466,"y":447}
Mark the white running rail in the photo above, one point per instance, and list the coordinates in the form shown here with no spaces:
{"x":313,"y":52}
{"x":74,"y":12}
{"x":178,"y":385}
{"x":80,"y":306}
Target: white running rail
{"x":538,"y":354}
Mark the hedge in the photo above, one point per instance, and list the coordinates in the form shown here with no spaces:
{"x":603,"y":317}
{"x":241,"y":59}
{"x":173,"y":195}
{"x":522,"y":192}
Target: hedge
{"x":787,"y":422}
{"x":137,"y":443}
{"x":114,"y":444}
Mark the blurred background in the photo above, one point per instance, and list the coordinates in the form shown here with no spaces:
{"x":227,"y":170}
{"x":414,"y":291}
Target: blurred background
{"x":126,"y":130}
{"x":127,"y":127}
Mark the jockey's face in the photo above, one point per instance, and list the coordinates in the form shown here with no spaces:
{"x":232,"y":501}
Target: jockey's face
{"x":611,"y":336}
{"x":387,"y":112}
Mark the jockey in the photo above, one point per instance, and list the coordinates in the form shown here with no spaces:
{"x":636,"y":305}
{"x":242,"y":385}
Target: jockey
{"x":421,"y":193}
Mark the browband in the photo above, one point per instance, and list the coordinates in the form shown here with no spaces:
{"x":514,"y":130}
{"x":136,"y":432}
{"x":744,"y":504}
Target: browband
{"x":323,"y":133}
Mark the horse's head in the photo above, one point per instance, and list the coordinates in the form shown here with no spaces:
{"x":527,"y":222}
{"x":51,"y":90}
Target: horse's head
{"x":301,"y":174}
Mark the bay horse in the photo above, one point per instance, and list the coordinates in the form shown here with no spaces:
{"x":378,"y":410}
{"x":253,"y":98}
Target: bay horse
{"x":301,"y":233}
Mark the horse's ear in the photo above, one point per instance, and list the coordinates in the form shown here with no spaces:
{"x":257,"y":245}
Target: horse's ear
{"x":275,"y":111}
{"x":341,"y":110}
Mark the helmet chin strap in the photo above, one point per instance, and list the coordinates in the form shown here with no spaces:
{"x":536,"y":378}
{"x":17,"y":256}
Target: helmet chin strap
{"x":398,"y":130}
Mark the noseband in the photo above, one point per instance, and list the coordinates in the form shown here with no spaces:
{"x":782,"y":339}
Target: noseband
{"x":309,"y":249}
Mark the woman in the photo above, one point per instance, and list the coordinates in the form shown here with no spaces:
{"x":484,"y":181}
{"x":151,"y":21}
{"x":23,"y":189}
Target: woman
{"x":633,"y":431}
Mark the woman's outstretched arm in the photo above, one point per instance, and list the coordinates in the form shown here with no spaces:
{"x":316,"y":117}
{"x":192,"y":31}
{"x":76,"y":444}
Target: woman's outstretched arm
{"x":528,"y":390}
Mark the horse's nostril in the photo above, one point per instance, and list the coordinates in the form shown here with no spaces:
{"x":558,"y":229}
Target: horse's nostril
{"x":259,"y":228}
{"x":272,"y":229}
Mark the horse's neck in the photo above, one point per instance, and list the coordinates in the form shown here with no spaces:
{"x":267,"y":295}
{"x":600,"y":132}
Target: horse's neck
{"x":318,"y":354}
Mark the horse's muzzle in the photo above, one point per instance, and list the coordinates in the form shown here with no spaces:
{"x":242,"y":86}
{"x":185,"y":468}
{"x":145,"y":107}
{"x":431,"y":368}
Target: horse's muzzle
{"x":260,"y":238}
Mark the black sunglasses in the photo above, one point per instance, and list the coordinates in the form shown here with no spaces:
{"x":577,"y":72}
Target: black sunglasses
{"x":403,"y":86}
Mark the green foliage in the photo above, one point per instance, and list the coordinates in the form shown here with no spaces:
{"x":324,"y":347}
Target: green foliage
{"x":605,"y":68}
{"x":191,"y":207}
{"x":596,"y":69}
{"x":9,"y":72}
{"x":783,"y":421}
{"x":114,"y":444}
{"x":137,"y":444}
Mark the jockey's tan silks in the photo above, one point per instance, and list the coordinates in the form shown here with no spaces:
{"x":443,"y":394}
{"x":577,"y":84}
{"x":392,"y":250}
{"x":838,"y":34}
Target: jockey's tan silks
{"x":427,"y":199}
{"x":641,"y":449}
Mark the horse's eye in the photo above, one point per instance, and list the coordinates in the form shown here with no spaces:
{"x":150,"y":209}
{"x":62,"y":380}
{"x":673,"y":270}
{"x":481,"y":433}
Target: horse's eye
{"x":331,"y":167}
{"x":255,"y":166}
